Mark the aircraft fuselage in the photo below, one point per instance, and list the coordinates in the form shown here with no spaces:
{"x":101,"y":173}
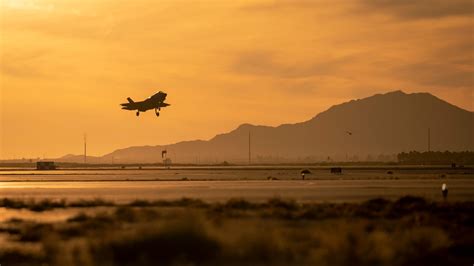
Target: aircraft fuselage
{"x":156,"y":102}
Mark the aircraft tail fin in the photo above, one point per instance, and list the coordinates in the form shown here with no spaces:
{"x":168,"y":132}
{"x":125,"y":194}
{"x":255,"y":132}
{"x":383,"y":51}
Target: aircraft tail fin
{"x":130,"y":100}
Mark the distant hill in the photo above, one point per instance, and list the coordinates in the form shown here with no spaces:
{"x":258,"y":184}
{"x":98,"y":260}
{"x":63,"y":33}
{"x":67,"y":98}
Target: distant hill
{"x":381,"y":124}
{"x":71,"y":158}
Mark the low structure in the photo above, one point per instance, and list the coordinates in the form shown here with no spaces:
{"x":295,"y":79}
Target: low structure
{"x":45,"y":166}
{"x":305,"y":172}
{"x":336,"y":170}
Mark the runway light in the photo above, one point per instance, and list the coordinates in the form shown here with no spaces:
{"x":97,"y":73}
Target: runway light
{"x":444,"y":190}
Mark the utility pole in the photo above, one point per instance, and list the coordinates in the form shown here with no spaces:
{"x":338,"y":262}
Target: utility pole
{"x":250,"y":152}
{"x":85,"y":148}
{"x":429,"y":139}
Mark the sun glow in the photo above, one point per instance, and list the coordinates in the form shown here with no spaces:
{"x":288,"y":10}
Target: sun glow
{"x":27,"y":4}
{"x":77,"y":60}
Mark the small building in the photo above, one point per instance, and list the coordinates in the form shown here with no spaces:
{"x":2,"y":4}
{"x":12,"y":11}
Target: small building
{"x":45,"y":166}
{"x":336,"y":170}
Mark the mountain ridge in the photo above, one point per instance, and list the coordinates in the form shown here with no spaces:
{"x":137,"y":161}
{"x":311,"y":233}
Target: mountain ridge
{"x":379,"y":124}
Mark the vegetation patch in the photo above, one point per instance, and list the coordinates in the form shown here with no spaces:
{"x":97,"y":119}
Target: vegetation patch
{"x":407,"y":231}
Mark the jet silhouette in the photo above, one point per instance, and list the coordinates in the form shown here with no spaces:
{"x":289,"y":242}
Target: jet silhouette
{"x":156,"y":102}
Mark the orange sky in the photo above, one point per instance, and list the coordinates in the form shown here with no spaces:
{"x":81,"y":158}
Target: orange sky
{"x":67,"y":65}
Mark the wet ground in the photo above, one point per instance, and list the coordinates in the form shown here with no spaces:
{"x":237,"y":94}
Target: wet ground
{"x":258,"y":216}
{"x":253,"y":184}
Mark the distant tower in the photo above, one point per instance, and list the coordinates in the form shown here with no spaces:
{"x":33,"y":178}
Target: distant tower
{"x":85,"y":148}
{"x":429,"y":139}
{"x":250,"y":152}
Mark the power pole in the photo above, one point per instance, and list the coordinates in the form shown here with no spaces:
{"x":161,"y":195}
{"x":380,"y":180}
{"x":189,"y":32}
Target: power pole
{"x":250,"y":152}
{"x":85,"y":148}
{"x":429,"y":139}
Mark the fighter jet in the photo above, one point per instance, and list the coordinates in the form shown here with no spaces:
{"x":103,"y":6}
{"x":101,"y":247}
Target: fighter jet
{"x":156,"y":102}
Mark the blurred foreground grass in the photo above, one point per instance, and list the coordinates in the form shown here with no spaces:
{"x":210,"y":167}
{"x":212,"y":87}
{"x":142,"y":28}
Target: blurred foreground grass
{"x":408,"y":231}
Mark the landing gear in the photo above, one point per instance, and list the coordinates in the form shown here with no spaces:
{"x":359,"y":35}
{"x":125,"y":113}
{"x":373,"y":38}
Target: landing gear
{"x":156,"y":112}
{"x":138,"y":113}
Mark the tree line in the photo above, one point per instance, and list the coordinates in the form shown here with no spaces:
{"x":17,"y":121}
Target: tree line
{"x":436,"y":157}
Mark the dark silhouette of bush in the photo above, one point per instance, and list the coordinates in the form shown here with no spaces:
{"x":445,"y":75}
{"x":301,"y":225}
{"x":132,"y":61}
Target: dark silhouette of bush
{"x":174,"y":244}
{"x":407,"y":231}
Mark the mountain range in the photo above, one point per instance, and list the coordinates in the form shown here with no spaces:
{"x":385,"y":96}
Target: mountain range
{"x":356,"y":130}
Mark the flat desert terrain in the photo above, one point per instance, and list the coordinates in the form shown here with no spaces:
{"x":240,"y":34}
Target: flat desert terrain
{"x":236,"y":216}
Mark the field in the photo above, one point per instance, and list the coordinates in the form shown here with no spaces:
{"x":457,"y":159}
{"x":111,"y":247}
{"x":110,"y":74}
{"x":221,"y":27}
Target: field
{"x":223,"y":183}
{"x":264,"y":216}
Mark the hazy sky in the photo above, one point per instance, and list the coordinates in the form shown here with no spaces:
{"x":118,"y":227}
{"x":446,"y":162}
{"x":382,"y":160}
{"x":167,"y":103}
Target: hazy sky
{"x":66,"y":65}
